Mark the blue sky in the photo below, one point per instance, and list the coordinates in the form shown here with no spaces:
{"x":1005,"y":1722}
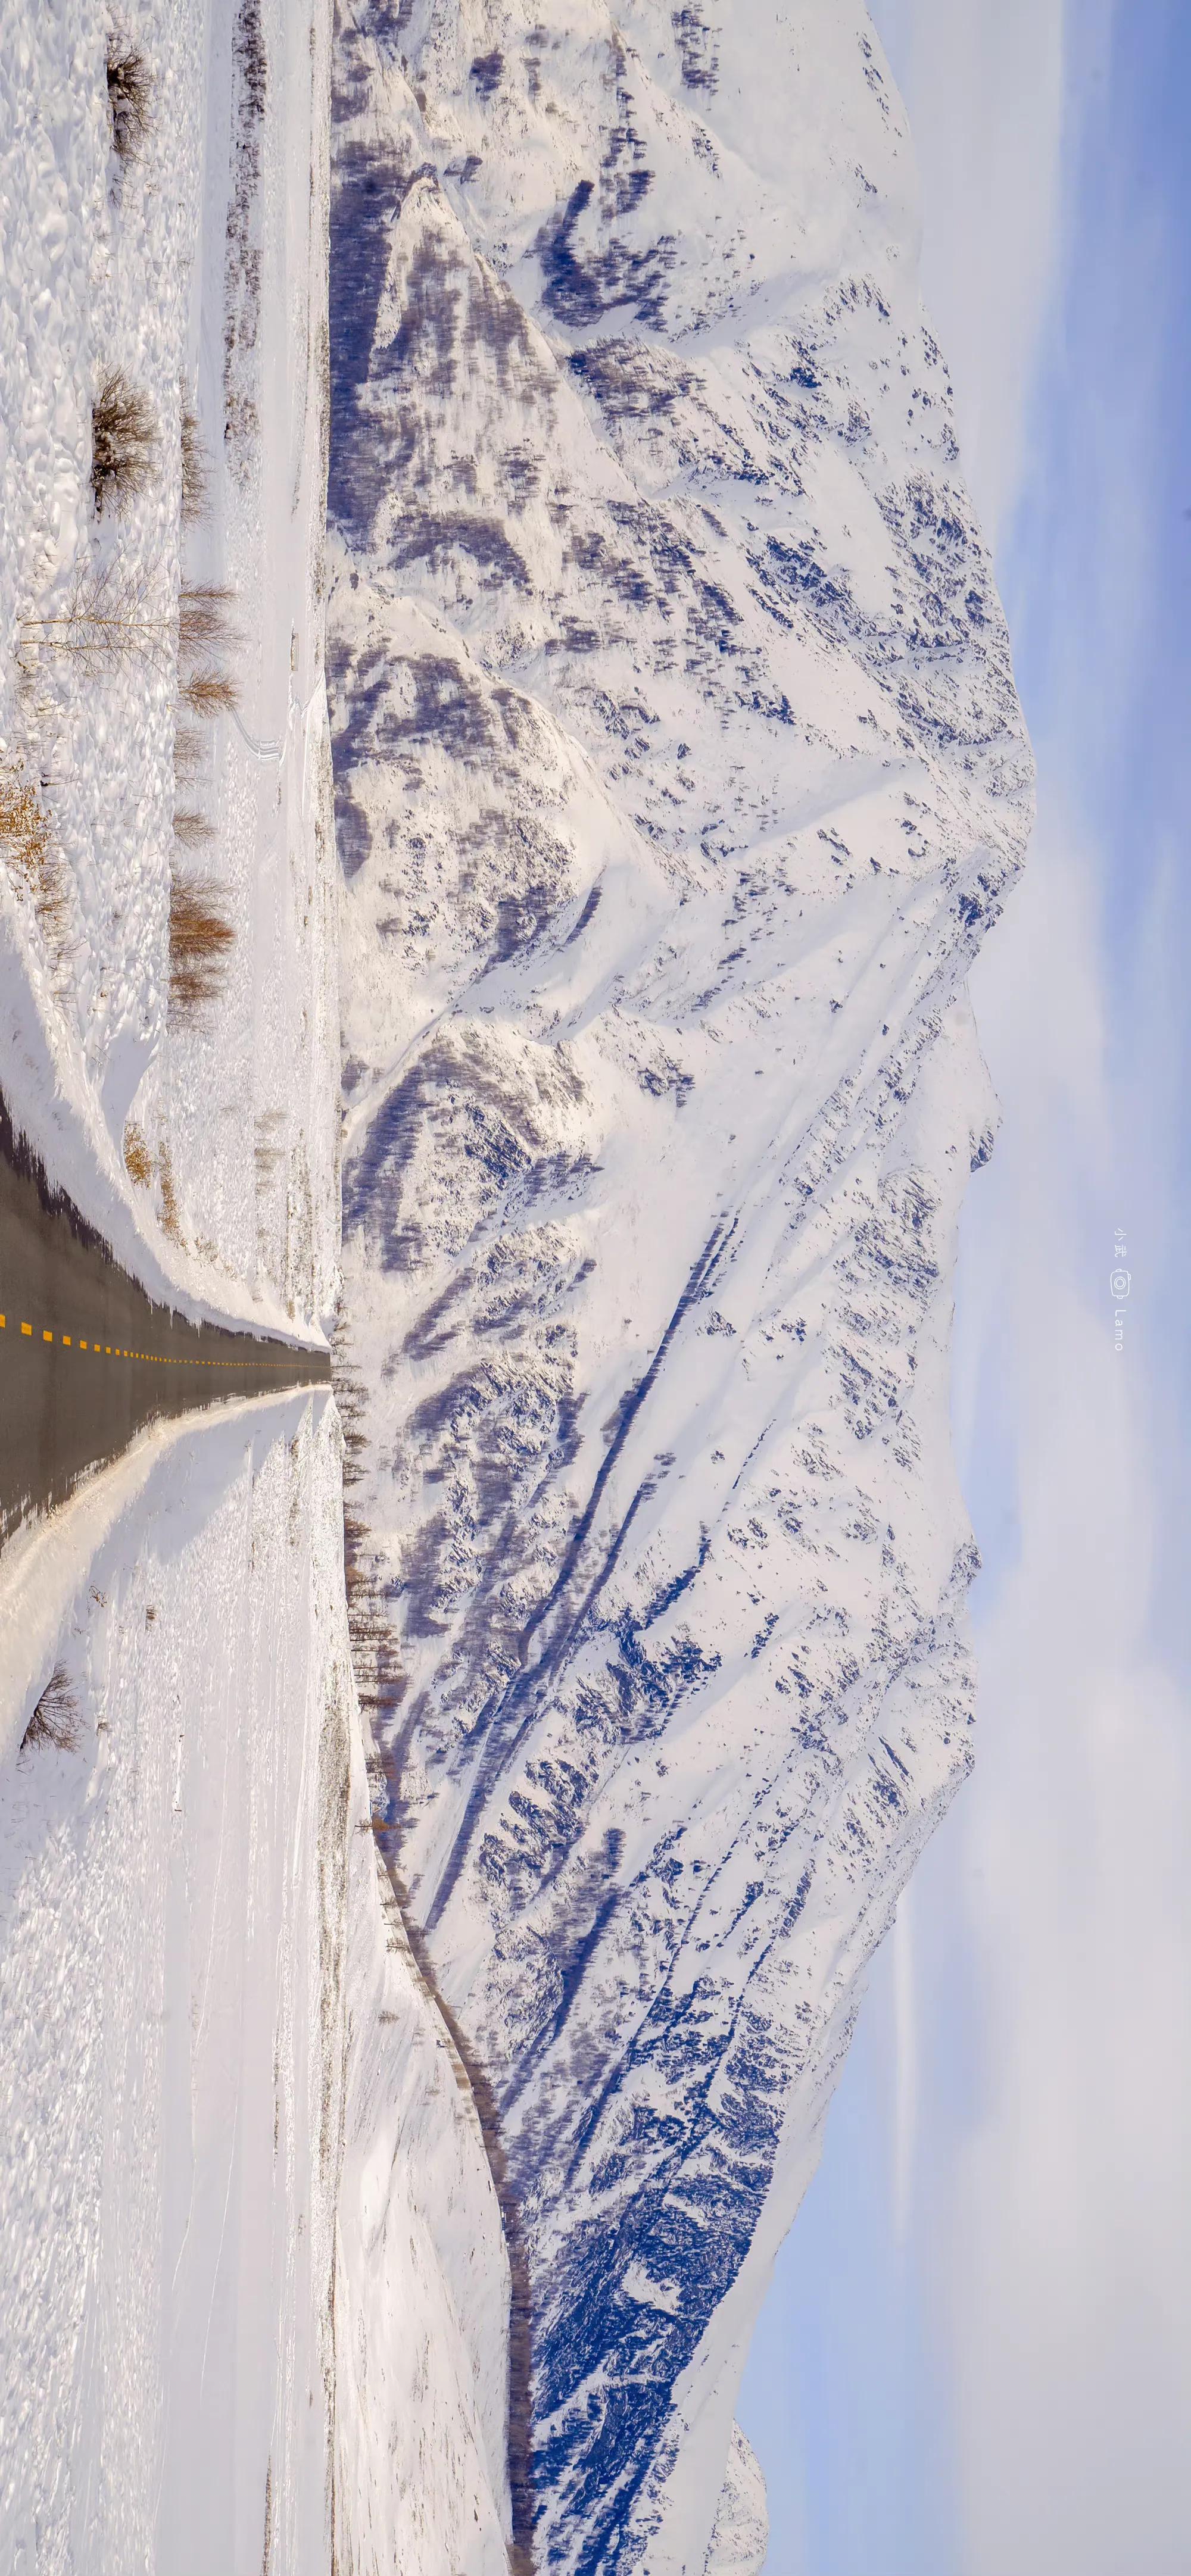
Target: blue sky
{"x":977,"y":2354}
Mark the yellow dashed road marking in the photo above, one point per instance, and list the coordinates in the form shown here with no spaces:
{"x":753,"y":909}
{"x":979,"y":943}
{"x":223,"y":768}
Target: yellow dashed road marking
{"x":155,"y":1359}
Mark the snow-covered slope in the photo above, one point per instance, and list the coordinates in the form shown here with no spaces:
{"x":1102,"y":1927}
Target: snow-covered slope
{"x":422,"y":2285}
{"x":679,"y":773}
{"x":741,"y":2536}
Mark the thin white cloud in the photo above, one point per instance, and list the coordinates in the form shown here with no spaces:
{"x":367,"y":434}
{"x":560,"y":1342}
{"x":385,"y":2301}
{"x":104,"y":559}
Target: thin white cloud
{"x":1066,"y":2277}
{"x":1068,"y":2251}
{"x":1038,"y":2136}
{"x":984,"y":85}
{"x":1059,"y":2218}
{"x":905,"y":2073}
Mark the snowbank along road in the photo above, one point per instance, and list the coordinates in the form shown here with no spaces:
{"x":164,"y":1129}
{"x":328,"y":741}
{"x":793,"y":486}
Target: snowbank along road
{"x":86,"y":1358}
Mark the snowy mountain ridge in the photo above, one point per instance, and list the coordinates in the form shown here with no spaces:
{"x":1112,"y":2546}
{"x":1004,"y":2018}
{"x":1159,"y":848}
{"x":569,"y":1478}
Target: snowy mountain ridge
{"x":679,"y":774}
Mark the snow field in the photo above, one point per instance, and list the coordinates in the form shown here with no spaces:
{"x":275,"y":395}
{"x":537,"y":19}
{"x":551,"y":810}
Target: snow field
{"x":137,"y":266}
{"x":172,"y":1890}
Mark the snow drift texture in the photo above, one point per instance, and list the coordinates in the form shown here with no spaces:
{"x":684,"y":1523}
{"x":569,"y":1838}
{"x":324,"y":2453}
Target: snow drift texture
{"x":679,"y":774}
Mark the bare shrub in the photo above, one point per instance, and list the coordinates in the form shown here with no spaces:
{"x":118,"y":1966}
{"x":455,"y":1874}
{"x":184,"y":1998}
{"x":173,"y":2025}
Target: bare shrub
{"x":209,"y":691}
{"x":171,"y":1217}
{"x":201,"y":939}
{"x":130,"y":89}
{"x":191,"y":827}
{"x":138,"y":1161}
{"x":52,"y":906}
{"x":268,"y":1155}
{"x":196,"y":470}
{"x":203,"y":624}
{"x":104,"y":618}
{"x":24,"y":828}
{"x":55,"y":1719}
{"x":188,"y":751}
{"x":35,"y":863}
{"x":123,"y":441}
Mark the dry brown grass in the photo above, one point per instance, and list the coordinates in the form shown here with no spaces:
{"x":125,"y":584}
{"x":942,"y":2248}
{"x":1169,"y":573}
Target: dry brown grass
{"x":123,"y":441}
{"x":209,"y":692}
{"x":138,"y":1161}
{"x":201,"y":941}
{"x":130,"y":92}
{"x":191,"y":827}
{"x":196,"y":469}
{"x":55,"y":1719}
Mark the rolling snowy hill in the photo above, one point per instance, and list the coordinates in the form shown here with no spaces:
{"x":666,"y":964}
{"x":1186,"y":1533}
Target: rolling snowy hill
{"x":679,"y":773}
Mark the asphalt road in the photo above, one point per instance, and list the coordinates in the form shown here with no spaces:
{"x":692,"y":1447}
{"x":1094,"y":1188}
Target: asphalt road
{"x":87,"y":1360}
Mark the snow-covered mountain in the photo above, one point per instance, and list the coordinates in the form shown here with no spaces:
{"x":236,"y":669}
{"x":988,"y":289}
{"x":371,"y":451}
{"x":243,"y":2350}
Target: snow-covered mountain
{"x":679,"y":774}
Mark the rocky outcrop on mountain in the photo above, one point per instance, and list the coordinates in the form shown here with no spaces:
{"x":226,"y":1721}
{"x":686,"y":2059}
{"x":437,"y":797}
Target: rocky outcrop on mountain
{"x":679,"y":774}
